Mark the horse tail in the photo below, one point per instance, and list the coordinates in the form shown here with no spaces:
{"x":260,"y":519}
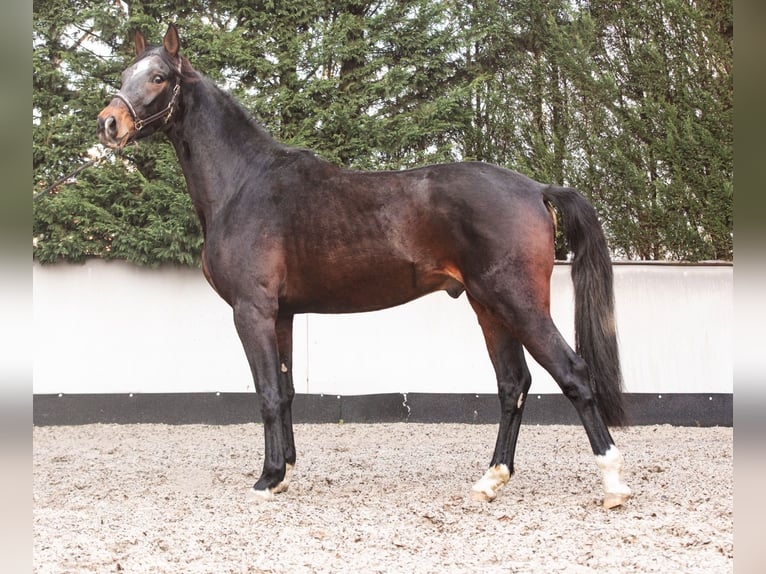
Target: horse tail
{"x":595,"y":330}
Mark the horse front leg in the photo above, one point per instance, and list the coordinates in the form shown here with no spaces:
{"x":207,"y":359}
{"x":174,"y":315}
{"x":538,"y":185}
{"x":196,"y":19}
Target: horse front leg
{"x":284,"y":329}
{"x":256,"y":327}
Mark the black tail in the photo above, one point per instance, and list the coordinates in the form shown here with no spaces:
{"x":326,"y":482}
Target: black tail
{"x":595,"y":331}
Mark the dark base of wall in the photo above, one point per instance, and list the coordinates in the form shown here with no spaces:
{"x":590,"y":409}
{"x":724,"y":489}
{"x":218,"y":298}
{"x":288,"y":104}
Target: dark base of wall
{"x":237,"y":408}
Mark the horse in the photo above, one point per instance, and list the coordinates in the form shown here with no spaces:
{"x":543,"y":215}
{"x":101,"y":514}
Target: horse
{"x":286,"y":232}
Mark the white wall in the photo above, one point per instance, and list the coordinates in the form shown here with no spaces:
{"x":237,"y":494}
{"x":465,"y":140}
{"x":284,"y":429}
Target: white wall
{"x":112,"y":327}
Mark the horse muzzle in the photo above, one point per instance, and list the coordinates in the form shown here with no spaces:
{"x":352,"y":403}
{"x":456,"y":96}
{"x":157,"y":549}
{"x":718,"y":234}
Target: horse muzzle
{"x":115,"y":125}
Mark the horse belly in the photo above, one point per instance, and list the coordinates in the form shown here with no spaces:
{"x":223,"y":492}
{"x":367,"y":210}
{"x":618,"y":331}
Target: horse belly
{"x":349,"y":286}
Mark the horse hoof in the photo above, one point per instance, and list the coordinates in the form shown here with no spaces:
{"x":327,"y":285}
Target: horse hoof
{"x":483,"y":495}
{"x":485,"y":490}
{"x":260,"y":495}
{"x":268,"y":493}
{"x":614,"y":499}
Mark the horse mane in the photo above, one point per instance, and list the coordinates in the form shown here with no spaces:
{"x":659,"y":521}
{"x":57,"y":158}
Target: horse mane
{"x":230,"y":101}
{"x":188,"y":73}
{"x":248,"y":119}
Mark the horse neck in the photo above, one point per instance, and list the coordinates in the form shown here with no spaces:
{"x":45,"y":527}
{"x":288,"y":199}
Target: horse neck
{"x":218,"y":146}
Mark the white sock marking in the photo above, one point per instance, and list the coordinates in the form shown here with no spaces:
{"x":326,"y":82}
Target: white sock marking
{"x":610,"y":464}
{"x":487,"y":486}
{"x":282,"y":486}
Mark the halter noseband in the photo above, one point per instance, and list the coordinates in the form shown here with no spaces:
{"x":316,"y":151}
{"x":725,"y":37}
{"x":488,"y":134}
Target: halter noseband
{"x":167,"y":111}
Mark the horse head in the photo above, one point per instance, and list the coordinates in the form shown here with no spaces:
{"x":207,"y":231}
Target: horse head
{"x":148,"y":96}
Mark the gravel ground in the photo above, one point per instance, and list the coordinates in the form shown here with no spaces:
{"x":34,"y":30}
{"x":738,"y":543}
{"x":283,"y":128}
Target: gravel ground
{"x":377,"y":498}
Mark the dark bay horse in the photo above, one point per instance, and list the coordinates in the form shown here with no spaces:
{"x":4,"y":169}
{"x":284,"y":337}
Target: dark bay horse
{"x":286,"y":232}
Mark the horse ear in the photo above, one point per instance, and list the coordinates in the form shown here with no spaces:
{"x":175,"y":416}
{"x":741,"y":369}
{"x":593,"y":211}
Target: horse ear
{"x":140,"y":41}
{"x":171,"y":41}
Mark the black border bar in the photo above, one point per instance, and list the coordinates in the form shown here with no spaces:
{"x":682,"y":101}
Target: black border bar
{"x":680,"y":409}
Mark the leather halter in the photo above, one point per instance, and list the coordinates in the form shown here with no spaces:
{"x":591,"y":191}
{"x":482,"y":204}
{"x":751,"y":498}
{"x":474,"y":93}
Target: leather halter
{"x":166,"y":112}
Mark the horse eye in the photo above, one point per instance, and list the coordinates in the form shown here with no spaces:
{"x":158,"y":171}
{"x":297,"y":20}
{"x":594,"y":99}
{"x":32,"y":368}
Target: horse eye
{"x":158,"y":79}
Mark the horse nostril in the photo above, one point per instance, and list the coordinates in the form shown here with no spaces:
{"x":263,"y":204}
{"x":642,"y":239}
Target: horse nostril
{"x":107,"y":126}
{"x":110,"y":127}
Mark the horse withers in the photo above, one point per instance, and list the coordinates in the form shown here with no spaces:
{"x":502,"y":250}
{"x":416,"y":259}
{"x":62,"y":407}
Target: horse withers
{"x":286,"y":232}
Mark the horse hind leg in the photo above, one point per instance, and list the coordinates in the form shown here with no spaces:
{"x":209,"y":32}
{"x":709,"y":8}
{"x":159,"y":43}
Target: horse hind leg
{"x":513,"y":382}
{"x":525,"y":312}
{"x":572,"y":375}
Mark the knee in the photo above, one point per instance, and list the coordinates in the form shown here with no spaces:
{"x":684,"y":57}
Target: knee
{"x":270,"y":409}
{"x":512,"y":396}
{"x":286,"y":402}
{"x":288,"y":393}
{"x":514,"y":386}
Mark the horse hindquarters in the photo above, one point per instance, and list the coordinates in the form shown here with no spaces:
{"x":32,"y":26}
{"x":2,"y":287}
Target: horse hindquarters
{"x":515,"y":294}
